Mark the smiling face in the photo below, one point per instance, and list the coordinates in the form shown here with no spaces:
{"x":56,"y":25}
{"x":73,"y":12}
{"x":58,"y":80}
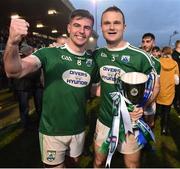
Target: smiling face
{"x":113,"y":27}
{"x":79,"y":29}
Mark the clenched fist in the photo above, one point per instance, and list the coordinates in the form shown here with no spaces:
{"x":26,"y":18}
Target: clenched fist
{"x":18,"y":29}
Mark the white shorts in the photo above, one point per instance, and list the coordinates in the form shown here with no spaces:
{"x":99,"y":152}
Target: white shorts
{"x":129,"y":147}
{"x":54,"y":148}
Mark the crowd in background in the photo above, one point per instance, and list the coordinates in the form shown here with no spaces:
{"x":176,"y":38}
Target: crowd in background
{"x":28,"y":86}
{"x":31,"y":41}
{"x":169,"y":94}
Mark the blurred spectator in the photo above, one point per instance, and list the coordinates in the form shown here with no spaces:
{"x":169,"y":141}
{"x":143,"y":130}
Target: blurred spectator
{"x":27,"y":86}
{"x":61,"y":40}
{"x":147,"y":44}
{"x":169,"y":77}
{"x":4,"y":81}
{"x":176,"y":57}
{"x":156,"y":52}
{"x":36,"y":41}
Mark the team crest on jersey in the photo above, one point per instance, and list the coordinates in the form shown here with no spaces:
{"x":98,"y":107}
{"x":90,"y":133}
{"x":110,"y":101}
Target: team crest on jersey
{"x":103,"y":55}
{"x":51,"y":155}
{"x":76,"y":78}
{"x":125,"y":58}
{"x":108,"y":73}
{"x":89,"y":62}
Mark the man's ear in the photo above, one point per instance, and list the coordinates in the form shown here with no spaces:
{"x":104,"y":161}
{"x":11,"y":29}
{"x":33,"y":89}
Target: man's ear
{"x":68,"y":28}
{"x":124,"y":27}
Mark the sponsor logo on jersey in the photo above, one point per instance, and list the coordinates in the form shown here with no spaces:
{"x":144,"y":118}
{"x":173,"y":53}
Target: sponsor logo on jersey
{"x":103,"y":55}
{"x":51,"y":155}
{"x":76,"y":78}
{"x":108,"y":73}
{"x":125,"y":58}
{"x":89,"y":62}
{"x":64,"y":57}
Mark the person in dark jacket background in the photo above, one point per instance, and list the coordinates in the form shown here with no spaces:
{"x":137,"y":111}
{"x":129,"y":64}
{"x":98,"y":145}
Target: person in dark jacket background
{"x":30,"y":85}
{"x":176,"y":57}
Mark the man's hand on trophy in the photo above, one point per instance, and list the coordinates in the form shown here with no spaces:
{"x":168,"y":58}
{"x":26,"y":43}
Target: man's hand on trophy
{"x":18,"y":29}
{"x":136,"y":113}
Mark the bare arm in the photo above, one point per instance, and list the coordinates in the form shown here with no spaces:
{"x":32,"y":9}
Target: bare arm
{"x":14,"y":65}
{"x":150,"y":107}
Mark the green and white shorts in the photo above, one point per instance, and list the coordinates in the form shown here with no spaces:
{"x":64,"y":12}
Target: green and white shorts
{"x":129,"y":147}
{"x":54,"y":148}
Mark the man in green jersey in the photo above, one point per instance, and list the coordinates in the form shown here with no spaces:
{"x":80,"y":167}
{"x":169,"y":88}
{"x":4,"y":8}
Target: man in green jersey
{"x":118,"y":56}
{"x":68,"y":74}
{"x":148,"y":42}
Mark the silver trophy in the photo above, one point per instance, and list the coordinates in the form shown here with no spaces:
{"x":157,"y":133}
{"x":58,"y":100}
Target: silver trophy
{"x":133,"y":89}
{"x":133,"y":86}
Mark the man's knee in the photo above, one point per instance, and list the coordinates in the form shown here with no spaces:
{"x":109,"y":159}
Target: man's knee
{"x":99,"y":160}
{"x":98,"y":163}
{"x":132,"y":164}
{"x":132,"y":160}
{"x":71,"y":162}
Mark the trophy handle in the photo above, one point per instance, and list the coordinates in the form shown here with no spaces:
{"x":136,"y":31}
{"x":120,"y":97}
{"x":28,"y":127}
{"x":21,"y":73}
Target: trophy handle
{"x":149,"y":86}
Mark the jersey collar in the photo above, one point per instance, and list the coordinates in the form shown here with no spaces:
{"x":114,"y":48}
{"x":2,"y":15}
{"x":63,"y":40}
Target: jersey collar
{"x":73,"y":52}
{"x":119,"y":49}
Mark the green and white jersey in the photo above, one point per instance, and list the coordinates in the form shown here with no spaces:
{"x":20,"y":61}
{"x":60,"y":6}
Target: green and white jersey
{"x":156,"y":64}
{"x":67,"y":80}
{"x":126,"y":59}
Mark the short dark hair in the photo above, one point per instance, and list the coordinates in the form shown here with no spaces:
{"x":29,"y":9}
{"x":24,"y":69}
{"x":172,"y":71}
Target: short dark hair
{"x":115,"y":9}
{"x":177,"y":42}
{"x":82,"y":13}
{"x":62,"y":36}
{"x":148,"y":35}
{"x":157,"y":48}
